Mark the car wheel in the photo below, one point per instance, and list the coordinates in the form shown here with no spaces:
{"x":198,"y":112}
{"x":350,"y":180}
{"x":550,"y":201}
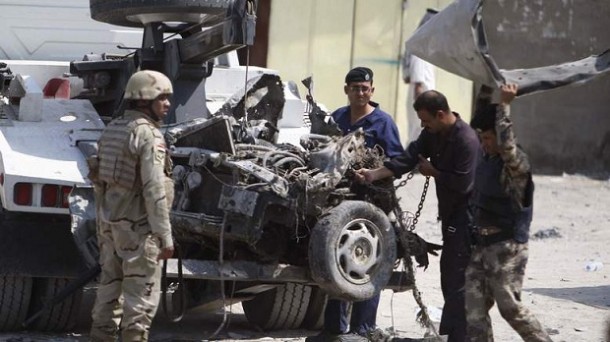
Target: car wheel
{"x":281,"y":308}
{"x":352,"y":251}
{"x":137,"y":13}
{"x":60,"y":317}
{"x":15,"y":294}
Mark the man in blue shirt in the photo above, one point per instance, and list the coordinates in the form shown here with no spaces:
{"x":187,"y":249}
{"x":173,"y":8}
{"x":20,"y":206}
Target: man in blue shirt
{"x":380,"y":130}
{"x":378,"y":126}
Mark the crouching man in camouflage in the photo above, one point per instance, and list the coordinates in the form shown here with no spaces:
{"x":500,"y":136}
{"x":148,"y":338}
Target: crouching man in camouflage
{"x":502,"y":199}
{"x":133,"y":195}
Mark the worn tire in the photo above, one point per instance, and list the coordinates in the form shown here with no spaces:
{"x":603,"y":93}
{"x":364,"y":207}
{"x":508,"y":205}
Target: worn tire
{"x":314,"y":317}
{"x":62,"y":316}
{"x":281,"y":308}
{"x":122,"y":12}
{"x":352,"y":250}
{"x":15,"y":292}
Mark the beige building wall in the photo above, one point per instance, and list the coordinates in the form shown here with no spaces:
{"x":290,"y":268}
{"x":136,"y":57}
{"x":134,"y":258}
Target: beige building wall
{"x":326,"y":38}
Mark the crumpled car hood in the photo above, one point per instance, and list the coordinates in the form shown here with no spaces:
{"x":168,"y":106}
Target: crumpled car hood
{"x":455,"y":40}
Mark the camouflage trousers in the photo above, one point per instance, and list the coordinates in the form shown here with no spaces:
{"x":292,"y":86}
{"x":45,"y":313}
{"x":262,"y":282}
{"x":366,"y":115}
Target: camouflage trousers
{"x":495,"y":273}
{"x":129,"y":288}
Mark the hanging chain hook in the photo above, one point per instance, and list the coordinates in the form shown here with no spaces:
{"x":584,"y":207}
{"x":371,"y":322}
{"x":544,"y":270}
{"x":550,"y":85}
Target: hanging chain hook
{"x":411,"y":226}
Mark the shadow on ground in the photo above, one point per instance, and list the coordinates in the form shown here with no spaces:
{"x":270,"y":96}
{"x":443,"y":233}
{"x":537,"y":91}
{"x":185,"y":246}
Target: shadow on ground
{"x":595,"y":296}
{"x":198,"y":327}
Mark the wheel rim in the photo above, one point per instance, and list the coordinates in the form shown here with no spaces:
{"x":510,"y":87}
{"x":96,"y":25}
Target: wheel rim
{"x":358,"y":251}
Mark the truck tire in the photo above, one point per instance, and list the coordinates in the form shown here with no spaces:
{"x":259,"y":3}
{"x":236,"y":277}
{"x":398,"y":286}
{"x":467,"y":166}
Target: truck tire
{"x":314,"y":317}
{"x":62,"y":316}
{"x":15,"y":294}
{"x":352,"y":250}
{"x":131,"y":12}
{"x":281,"y":308}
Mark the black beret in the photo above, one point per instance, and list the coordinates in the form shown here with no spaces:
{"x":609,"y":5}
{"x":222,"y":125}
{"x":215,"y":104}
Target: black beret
{"x":359,"y":74}
{"x":484,"y":118}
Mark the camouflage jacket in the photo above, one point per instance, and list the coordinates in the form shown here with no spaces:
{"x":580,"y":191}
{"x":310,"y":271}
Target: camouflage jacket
{"x":517,"y":170}
{"x":134,"y":183}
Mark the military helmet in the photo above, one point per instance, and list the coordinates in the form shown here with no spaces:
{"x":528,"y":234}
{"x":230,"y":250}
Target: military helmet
{"x":147,"y":85}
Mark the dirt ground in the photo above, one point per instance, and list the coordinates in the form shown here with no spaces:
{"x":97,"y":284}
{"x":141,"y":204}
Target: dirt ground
{"x":573,"y":304}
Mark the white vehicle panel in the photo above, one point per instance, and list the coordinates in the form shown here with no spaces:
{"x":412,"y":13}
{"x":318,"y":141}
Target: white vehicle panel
{"x":45,"y":152}
{"x":44,"y":149}
{"x":58,"y":31}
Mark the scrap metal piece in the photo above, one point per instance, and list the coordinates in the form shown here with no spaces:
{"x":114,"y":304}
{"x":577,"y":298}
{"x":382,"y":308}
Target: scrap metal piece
{"x":334,"y":160}
{"x":238,"y":270}
{"x":211,"y":134}
{"x":321,"y":121}
{"x":264,"y":99}
{"x":455,"y":40}
{"x":271,"y":273}
{"x":278,"y":184}
{"x":238,"y":201}
{"x":553,"y":76}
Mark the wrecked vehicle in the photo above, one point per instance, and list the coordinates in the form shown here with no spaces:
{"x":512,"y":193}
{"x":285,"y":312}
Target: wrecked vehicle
{"x":277,"y":226}
{"x":278,"y":213}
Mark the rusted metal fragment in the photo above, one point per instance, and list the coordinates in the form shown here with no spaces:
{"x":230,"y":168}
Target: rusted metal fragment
{"x":455,"y":40}
{"x":264,"y":100}
{"x":334,"y":160}
{"x":238,"y":270}
{"x":553,"y":76}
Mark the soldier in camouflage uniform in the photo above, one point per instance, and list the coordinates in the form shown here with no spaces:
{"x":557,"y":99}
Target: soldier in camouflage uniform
{"x":133,"y":194}
{"x":502,"y":202}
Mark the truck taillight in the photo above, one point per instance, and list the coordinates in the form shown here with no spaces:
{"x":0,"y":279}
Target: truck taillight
{"x":55,"y":196}
{"x":65,"y":193}
{"x":22,"y":194}
{"x":50,"y":194}
{"x":1,"y":178}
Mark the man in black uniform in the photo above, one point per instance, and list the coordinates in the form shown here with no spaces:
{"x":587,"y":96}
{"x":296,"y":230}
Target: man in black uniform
{"x":452,"y":147}
{"x":502,"y":205}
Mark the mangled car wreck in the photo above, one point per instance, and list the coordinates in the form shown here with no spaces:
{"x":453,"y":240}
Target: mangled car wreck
{"x":262,"y":214}
{"x":275,"y":225}
{"x":280,"y":204}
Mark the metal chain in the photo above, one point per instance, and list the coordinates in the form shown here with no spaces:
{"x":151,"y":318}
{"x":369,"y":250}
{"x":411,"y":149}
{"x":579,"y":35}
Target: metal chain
{"x":420,"y":206}
{"x":404,"y":182}
{"x":423,"y":317}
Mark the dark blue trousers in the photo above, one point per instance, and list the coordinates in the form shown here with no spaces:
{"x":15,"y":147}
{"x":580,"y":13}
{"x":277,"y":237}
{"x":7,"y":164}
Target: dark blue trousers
{"x":364,"y":316}
{"x":454,"y":259}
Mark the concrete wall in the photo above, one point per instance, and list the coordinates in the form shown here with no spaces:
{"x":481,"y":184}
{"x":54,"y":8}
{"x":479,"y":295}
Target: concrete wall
{"x":568,"y":129}
{"x":327,"y":38}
